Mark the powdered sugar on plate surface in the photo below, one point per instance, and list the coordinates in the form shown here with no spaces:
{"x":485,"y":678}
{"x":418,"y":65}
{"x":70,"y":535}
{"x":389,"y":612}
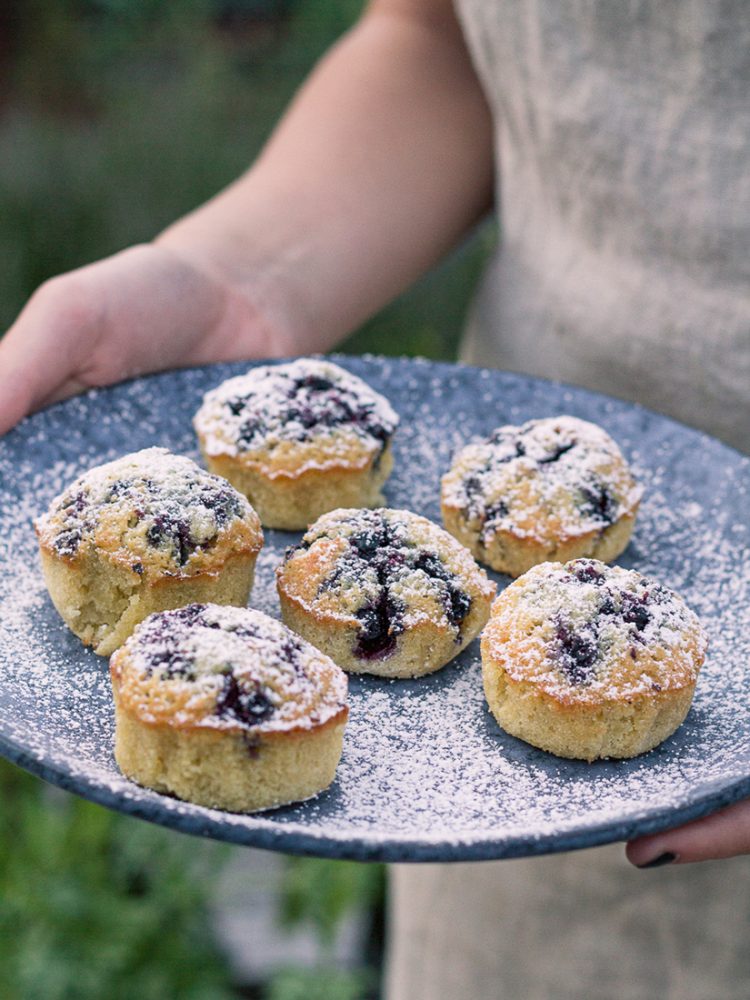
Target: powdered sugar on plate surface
{"x":426,"y":773}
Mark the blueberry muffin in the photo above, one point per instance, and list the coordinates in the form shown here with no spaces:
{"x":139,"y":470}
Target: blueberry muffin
{"x":298,"y":440}
{"x":553,"y":489}
{"x":227,"y":708}
{"x":149,"y":531}
{"x":383,"y":592}
{"x":588,"y":660}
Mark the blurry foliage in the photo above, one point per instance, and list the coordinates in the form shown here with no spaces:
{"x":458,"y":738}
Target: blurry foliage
{"x":319,"y":984}
{"x":320,"y":893}
{"x":95,"y":904}
{"x":91,"y":897}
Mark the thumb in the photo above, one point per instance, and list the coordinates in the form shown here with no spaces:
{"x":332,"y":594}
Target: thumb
{"x":41,"y":353}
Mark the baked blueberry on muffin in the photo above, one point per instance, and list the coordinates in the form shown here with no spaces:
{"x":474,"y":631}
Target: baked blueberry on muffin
{"x":298,"y":440}
{"x":553,"y":489}
{"x":227,"y":708}
{"x":588,"y":660}
{"x":149,"y":531}
{"x":383,"y":592}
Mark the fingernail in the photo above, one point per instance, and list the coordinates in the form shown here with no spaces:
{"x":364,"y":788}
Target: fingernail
{"x":661,"y":859}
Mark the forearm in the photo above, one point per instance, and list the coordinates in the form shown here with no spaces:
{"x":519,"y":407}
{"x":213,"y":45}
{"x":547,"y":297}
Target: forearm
{"x":381,"y":164}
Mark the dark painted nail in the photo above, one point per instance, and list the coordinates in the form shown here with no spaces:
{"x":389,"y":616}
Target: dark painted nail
{"x":662,"y":859}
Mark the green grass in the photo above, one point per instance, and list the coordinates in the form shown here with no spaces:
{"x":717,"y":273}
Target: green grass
{"x":93,"y":904}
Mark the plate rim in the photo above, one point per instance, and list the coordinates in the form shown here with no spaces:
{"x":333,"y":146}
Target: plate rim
{"x":199,"y":821}
{"x":290,"y":838}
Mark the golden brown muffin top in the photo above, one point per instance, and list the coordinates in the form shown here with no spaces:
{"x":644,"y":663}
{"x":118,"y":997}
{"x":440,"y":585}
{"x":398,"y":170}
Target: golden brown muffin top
{"x":308,"y":414}
{"x":384,"y":570}
{"x":550,"y":479}
{"x":218,"y":667}
{"x":153,"y":511}
{"x":585,"y":632}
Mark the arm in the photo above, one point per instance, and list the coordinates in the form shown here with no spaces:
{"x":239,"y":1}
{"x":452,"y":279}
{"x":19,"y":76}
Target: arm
{"x":378,"y":168}
{"x":381,"y":164}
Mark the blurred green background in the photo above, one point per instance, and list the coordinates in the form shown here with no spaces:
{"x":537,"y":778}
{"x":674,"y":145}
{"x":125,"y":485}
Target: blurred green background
{"x":117,"y":116}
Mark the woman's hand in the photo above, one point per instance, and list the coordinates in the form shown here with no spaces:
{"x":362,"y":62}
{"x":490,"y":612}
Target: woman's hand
{"x":142,"y":310}
{"x":721,"y":835}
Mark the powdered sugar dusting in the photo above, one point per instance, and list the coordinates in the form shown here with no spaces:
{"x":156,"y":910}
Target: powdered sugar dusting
{"x":309,"y":401}
{"x":391,"y":569}
{"x":426,"y":773}
{"x":145,"y":508}
{"x":218,"y":667}
{"x":585,"y":632}
{"x":547,"y":479}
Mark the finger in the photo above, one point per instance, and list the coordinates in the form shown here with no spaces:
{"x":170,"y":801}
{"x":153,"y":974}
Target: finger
{"x":41,"y":351}
{"x":25,"y":379}
{"x":16,"y":396}
{"x":724,"y":834}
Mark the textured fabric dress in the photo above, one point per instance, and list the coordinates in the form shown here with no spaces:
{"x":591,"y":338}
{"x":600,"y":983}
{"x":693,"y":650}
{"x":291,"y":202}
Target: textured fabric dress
{"x":623,"y":189}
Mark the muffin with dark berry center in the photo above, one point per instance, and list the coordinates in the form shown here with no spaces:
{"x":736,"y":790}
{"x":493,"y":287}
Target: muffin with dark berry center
{"x":383,"y":592}
{"x":227,"y":708}
{"x":298,"y":439}
{"x":148,"y":531}
{"x":553,"y":489}
{"x":588,"y":660}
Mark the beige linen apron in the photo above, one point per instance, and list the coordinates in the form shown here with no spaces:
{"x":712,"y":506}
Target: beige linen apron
{"x":623,"y":151}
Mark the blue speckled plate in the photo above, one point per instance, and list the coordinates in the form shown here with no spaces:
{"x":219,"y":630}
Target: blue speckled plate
{"x":426,"y":774}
